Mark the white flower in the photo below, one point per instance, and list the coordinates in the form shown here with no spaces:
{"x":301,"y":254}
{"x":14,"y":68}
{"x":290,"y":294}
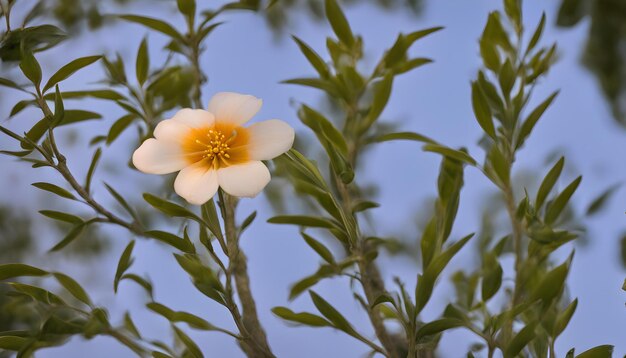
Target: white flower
{"x":211,"y":149}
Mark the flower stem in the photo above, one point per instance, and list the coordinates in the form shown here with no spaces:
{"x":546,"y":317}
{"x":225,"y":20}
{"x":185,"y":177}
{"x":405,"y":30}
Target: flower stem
{"x":238,"y":268}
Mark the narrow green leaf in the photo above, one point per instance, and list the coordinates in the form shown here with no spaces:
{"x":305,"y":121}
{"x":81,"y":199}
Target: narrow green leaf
{"x":31,"y":69}
{"x":71,"y":236}
{"x":73,"y":287}
{"x":450,"y":153}
{"x":302,"y":220}
{"x":321,"y":250}
{"x":382,"y":92}
{"x":600,"y":202}
{"x":534,"y":40}
{"x":438,"y":326}
{"x":556,"y":207}
{"x":69,"y":69}
{"x":55,"y":190}
{"x":338,"y":22}
{"x":119,"y":126}
{"x":169,"y":208}
{"x":142,"y":64}
{"x":61,"y":216}
{"x":123,"y":264}
{"x":8,"y":83}
{"x":316,"y":61}
{"x":92,"y":168}
{"x":328,"y":311}
{"x":531,"y":120}
{"x":563,"y":318}
{"x":404,"y":136}
{"x":172,"y":240}
{"x":521,"y":339}
{"x":13,"y":343}
{"x":155,"y":24}
{"x":8,"y":271}
{"x":482,"y":111}
{"x":304,"y":318}
{"x":551,"y":284}
{"x":187,"y":8}
{"x":120,"y":199}
{"x":192,"y":347}
{"x":548,"y":183}
{"x":605,"y":351}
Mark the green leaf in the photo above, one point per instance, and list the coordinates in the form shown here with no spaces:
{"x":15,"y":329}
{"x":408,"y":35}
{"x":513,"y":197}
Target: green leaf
{"x":328,"y":311}
{"x":513,"y":10}
{"x":8,"y":271}
{"x":172,"y":240}
{"x":119,"y":126}
{"x":450,"y":153}
{"x":537,"y":34}
{"x":600,"y":202}
{"x":209,"y":214}
{"x":187,"y":8}
{"x":492,"y":278}
{"x":61,"y":216}
{"x":551,"y":284}
{"x":317,"y":83}
{"x":521,"y":339}
{"x":55,"y":190}
{"x":438,"y":326}
{"x":532,"y":119}
{"x":71,"y":236}
{"x":316,"y":61}
{"x":31,"y":69}
{"x":120,"y":199}
{"x":548,"y":183}
{"x":8,"y":83}
{"x":482,"y":111}
{"x":361,"y":206}
{"x":142,"y":64}
{"x":130,"y":325}
{"x":404,"y":136}
{"x":302,"y":220}
{"x":69,"y":116}
{"x":556,"y":207}
{"x":59,"y":107}
{"x":305,"y":318}
{"x":13,"y":343}
{"x":563,"y":318}
{"x":382,"y":92}
{"x":180,"y":316}
{"x":323,"y":128}
{"x":169,"y":208}
{"x":339,"y":23}
{"x":92,"y":168}
{"x":192,"y":347}
{"x":605,"y":351}
{"x":123,"y":264}
{"x":69,"y":69}
{"x":144,"y":283}
{"x":321,"y":250}
{"x":37,"y":293}
{"x":73,"y":287}
{"x":155,"y":24}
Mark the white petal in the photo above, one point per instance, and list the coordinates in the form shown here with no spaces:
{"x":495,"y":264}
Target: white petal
{"x":234,"y":107}
{"x":157,"y":157}
{"x":171,"y":131}
{"x":269,"y":139}
{"x":246,"y":179}
{"x":194,"y":118}
{"x":196,"y":183}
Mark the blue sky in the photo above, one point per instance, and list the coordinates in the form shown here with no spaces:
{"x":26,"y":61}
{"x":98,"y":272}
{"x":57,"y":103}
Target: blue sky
{"x":244,"y":56}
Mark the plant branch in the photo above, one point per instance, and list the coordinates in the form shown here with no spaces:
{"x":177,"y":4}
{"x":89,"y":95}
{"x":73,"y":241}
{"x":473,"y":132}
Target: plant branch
{"x":237,"y":268}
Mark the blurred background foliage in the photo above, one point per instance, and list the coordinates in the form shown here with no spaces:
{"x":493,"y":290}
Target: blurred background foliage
{"x":171,"y":84}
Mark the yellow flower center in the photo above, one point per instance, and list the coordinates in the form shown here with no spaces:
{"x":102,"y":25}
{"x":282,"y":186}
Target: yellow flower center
{"x":217,"y":147}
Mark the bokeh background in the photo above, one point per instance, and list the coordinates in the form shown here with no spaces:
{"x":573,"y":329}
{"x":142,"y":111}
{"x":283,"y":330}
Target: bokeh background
{"x":252,"y":53}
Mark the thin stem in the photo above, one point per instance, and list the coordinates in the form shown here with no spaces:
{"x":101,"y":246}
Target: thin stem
{"x":237,"y":268}
{"x":62,"y":168}
{"x":198,"y":76}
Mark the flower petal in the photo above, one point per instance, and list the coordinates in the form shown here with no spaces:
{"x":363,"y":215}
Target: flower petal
{"x":245,"y":180}
{"x":234,"y":107}
{"x":269,"y":139}
{"x":194,"y":118}
{"x":171,"y":131}
{"x":157,"y":157}
{"x":196,"y":183}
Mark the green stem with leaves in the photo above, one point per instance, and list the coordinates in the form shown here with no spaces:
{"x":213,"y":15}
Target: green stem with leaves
{"x":253,"y":334}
